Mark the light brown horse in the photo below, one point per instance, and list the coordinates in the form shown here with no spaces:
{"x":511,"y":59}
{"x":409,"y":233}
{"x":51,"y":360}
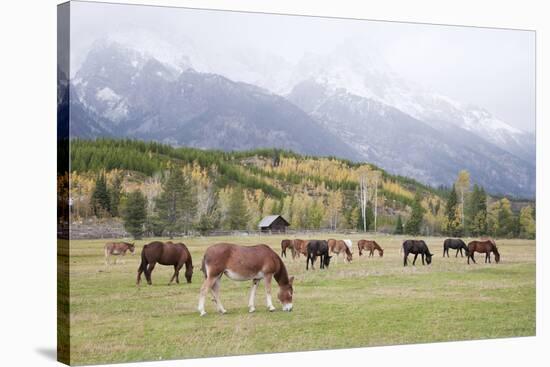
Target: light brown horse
{"x":244,"y":263}
{"x":287,"y":244}
{"x":300,"y":247}
{"x":340,"y":247}
{"x":486,"y":247}
{"x":117,"y":249}
{"x":370,"y":246}
{"x":168,"y":253}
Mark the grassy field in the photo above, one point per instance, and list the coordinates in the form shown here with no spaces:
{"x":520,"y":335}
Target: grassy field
{"x":370,"y":302}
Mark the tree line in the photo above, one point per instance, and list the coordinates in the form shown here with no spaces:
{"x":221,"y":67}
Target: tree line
{"x":185,"y":189}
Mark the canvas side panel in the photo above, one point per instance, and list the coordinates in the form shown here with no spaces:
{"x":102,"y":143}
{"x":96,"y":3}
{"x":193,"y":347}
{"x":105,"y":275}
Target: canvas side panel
{"x":63,"y":209}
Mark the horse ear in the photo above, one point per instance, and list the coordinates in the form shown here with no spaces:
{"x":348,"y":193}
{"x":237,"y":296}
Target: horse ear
{"x":290,"y":280}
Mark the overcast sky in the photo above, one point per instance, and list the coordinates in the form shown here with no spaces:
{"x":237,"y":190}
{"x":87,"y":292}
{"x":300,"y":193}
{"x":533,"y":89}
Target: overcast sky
{"x":491,"y":68}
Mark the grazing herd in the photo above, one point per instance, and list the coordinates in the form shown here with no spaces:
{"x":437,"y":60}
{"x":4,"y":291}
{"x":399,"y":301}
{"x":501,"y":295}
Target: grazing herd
{"x":245,"y":263}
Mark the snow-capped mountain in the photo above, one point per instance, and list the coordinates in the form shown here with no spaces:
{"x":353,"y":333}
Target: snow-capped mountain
{"x":403,"y":144}
{"x":347,"y":103}
{"x":360,"y":73}
{"x":120,"y":92}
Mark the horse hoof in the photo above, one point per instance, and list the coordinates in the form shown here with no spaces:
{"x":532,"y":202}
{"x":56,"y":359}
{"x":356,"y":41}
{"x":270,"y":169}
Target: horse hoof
{"x":223,"y":312}
{"x":251,"y":310}
{"x":203,"y":313}
{"x":271,"y":309}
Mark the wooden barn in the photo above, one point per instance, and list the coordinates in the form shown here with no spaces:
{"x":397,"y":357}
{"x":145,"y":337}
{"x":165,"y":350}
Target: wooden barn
{"x":273,"y":223}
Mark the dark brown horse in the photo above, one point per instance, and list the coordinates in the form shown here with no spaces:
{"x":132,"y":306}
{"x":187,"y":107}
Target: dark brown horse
{"x":456,"y":244}
{"x":370,"y":246}
{"x":168,"y":253}
{"x":416,"y":247}
{"x":287,"y":244}
{"x":244,"y":263}
{"x":486,"y":247}
{"x":117,"y":249}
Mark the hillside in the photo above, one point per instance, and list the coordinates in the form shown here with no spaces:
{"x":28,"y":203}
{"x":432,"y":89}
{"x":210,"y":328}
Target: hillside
{"x":274,"y":180}
{"x":310,"y":192}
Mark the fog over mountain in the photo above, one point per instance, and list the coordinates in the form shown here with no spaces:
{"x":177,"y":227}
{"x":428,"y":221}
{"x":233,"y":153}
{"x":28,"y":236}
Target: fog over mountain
{"x":219,"y":87}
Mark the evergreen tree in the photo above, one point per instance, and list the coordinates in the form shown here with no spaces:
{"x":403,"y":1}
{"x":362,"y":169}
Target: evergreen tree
{"x":135,"y":214}
{"x":115,"y":193}
{"x":452,"y":214}
{"x":476,"y":215}
{"x":177,"y":204}
{"x":399,"y":225}
{"x":414,"y":223}
{"x":154,"y":225}
{"x":100,"y":200}
{"x":237,"y":213}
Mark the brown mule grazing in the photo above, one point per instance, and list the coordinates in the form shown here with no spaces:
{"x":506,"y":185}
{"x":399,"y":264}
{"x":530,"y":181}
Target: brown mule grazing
{"x":168,"y":253}
{"x":370,"y":246}
{"x":300,"y":247}
{"x":242,"y":263}
{"x":340,"y":247}
{"x":117,"y":249}
{"x":485,"y":247}
{"x":287,"y":244}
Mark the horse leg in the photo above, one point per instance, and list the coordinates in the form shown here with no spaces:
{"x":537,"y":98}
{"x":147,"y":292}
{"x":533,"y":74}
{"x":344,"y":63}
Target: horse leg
{"x":215,"y":289}
{"x":422,"y":257}
{"x":174,"y":275}
{"x":251,"y":307}
{"x":179,"y":266}
{"x":488,"y":257}
{"x":267,"y":284}
{"x":414,"y":260}
{"x":148,"y":272}
{"x":456,"y":255}
{"x":206,"y":286}
{"x":472,"y":257}
{"x":405,"y":259}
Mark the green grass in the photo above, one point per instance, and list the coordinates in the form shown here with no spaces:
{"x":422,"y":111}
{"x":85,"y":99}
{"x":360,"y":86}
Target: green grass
{"x":370,"y":302}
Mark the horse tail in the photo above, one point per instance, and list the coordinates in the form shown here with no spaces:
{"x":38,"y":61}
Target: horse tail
{"x":143,"y":265}
{"x":203,"y":266}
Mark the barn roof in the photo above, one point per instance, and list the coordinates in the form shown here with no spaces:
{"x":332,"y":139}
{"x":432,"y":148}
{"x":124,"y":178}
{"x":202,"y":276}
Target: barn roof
{"x":266,"y":222}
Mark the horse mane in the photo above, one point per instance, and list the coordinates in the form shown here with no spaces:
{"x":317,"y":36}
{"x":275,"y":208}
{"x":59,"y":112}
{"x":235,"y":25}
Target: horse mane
{"x":281,"y":275}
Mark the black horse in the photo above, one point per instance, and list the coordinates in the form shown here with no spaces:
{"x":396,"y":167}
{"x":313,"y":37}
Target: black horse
{"x":456,"y":244}
{"x":317,"y":248}
{"x":416,"y":247}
